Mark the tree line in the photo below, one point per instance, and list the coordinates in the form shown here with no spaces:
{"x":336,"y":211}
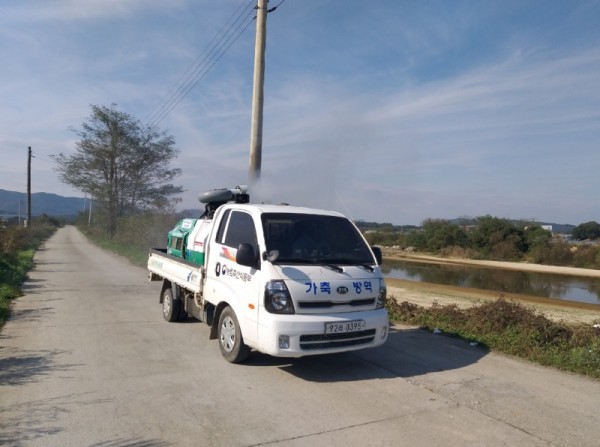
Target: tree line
{"x":488,"y":237}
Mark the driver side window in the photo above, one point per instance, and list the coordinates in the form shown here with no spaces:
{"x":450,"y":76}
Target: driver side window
{"x":240,"y":230}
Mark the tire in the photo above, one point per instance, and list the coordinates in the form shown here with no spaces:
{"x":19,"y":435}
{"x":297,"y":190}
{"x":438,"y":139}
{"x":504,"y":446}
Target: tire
{"x":171,"y":307}
{"x":232,"y":345}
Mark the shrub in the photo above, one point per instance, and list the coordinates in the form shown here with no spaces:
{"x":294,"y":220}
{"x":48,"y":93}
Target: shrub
{"x":12,"y":239}
{"x":587,"y":257}
{"x":512,"y":328}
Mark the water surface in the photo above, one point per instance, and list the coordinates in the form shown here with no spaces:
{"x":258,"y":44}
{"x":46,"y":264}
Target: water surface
{"x":552,"y":286}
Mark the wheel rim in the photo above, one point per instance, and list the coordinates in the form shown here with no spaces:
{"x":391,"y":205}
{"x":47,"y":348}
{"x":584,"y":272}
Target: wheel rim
{"x":228,"y":334}
{"x":167,"y":305}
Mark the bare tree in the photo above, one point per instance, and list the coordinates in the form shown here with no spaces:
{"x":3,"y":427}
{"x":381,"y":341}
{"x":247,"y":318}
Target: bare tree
{"x":122,"y":163}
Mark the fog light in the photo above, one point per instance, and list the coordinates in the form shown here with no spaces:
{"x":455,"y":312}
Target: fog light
{"x":284,"y":342}
{"x":384,"y":331}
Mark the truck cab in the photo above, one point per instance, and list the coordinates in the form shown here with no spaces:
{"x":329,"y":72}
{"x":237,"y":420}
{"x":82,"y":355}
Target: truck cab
{"x":300,"y":281}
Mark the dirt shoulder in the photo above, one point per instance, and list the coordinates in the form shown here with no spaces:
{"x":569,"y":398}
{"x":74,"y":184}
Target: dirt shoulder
{"x":425,"y":294}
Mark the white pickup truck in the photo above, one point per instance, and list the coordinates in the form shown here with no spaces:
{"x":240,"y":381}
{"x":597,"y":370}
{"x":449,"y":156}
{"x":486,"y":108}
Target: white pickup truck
{"x":283,"y":280}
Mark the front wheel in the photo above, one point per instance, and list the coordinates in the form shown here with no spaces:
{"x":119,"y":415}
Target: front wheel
{"x":232,"y":345}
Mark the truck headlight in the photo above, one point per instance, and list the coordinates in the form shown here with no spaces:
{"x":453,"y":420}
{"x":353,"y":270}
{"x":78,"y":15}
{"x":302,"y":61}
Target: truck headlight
{"x":381,"y":297}
{"x":278,"y":299}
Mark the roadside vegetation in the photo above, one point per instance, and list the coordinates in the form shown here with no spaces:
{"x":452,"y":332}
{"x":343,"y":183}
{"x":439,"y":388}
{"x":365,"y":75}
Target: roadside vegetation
{"x":511,"y":328}
{"x":492,"y":238}
{"x":134,"y":235}
{"x":17,"y":247}
{"x":124,"y":165}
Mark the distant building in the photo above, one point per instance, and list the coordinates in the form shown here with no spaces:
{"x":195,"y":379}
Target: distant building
{"x":547,"y":227}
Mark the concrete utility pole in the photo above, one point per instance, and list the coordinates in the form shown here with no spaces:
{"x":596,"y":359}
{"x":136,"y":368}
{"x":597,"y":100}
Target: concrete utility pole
{"x":258,"y":91}
{"x":29,"y":187}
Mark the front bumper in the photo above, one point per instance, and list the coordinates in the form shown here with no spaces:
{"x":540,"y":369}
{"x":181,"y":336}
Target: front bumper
{"x":301,"y":335}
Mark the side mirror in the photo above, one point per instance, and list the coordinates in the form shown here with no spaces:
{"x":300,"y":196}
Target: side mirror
{"x":378,"y":255}
{"x":246,"y":255}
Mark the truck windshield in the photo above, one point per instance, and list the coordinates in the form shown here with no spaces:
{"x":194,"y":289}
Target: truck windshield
{"x":313,"y":238}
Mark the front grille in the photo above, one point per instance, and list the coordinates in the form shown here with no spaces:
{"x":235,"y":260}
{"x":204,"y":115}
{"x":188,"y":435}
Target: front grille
{"x":340,"y":340}
{"x":329,"y":304}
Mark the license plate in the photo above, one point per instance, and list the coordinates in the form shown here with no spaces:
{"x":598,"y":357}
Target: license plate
{"x":344,"y":326}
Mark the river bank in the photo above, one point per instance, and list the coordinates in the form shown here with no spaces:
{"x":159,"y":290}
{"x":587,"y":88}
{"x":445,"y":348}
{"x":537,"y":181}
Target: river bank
{"x":425,"y":294}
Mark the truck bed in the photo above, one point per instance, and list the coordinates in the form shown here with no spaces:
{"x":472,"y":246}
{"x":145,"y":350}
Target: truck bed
{"x":162,"y":265}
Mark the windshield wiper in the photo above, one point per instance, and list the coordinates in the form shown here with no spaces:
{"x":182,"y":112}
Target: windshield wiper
{"x":334,"y":267}
{"x":347,"y":261}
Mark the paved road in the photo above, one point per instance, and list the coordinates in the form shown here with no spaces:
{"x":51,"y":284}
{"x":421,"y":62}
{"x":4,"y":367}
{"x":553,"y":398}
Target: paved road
{"x":86,"y":360}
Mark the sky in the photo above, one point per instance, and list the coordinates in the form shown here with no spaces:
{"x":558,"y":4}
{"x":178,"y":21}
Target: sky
{"x":387,"y":111}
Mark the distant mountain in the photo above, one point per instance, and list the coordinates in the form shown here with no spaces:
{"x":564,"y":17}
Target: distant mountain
{"x":41,"y":203}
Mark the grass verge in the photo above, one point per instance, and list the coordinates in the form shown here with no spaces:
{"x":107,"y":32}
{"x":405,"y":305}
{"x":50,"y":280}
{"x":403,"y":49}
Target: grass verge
{"x":136,"y":255}
{"x":17,"y":248}
{"x":13,"y":271}
{"x":511,"y":328}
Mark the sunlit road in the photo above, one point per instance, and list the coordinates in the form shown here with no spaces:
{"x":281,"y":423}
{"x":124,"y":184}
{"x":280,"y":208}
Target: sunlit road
{"x":87,"y":360}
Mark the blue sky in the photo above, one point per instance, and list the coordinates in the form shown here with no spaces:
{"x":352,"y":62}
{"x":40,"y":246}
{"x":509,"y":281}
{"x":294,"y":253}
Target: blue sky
{"x":389,"y":111}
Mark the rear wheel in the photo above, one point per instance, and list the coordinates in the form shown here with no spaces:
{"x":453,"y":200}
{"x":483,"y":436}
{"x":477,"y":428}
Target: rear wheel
{"x":232,"y":345}
{"x":171,"y":307}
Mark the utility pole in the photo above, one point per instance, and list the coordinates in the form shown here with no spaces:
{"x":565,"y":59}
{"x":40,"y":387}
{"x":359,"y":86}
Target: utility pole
{"x":258,"y":91}
{"x":90,"y":214}
{"x":29,"y":187}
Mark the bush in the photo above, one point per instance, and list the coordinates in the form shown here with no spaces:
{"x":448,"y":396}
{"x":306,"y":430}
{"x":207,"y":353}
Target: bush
{"x":514,"y":329}
{"x":17,"y":247}
{"x":12,"y":238}
{"x":586,"y":257}
{"x":557,"y":253}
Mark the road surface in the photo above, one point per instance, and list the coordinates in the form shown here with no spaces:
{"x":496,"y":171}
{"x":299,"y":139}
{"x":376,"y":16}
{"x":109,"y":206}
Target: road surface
{"x":87,"y":360}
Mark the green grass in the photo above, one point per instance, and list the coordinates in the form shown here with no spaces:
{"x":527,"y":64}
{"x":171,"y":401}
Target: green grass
{"x":17,"y":247}
{"x":136,"y":255}
{"x":13,"y":271}
{"x":135,"y":235}
{"x":511,"y":328}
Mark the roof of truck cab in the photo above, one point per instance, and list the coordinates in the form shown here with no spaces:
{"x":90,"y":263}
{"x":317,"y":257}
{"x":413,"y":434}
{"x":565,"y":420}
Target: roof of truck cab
{"x":267,"y":208}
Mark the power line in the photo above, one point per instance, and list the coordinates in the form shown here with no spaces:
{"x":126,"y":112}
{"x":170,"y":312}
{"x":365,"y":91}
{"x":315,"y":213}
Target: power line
{"x":192,"y":68}
{"x":214,"y":51}
{"x":276,"y":6}
{"x":39,"y":157}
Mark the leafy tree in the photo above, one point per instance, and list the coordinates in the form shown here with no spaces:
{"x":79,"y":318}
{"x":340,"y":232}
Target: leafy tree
{"x":588,"y":230}
{"x":498,"y":238}
{"x":536,"y":236}
{"x":440,"y":233}
{"x":121,"y":163}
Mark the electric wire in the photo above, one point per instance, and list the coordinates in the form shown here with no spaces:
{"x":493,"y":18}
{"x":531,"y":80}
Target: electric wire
{"x":214,"y":51}
{"x":187,"y":75}
{"x":276,"y":6}
{"x":37,"y":155}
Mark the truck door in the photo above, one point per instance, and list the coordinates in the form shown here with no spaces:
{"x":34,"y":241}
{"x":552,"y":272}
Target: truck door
{"x":227,"y":280}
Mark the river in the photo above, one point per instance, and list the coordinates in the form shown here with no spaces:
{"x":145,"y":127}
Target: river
{"x":551,"y":286}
